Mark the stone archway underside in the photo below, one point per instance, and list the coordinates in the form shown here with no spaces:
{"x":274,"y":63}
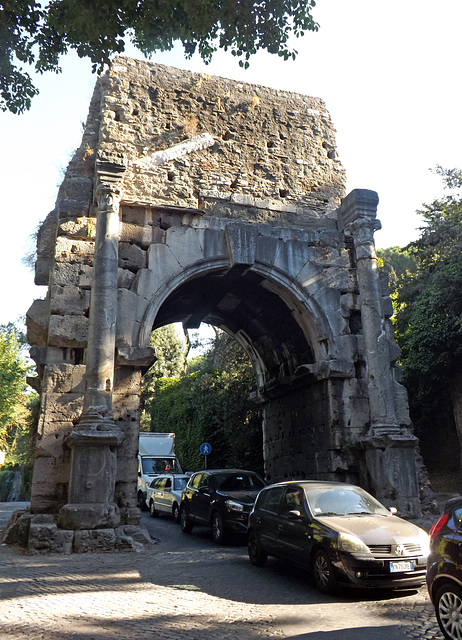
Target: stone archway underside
{"x":197,"y":199}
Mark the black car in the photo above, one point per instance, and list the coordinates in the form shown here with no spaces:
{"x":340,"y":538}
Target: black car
{"x":221,"y":499}
{"x":339,"y":532}
{"x":444,"y":574}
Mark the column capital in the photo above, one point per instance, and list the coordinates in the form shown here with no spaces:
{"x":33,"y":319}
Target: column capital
{"x":107,"y":196}
{"x":359,"y":209}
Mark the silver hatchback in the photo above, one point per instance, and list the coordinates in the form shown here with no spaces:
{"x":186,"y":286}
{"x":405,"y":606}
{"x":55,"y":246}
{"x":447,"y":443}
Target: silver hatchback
{"x":163,"y":495}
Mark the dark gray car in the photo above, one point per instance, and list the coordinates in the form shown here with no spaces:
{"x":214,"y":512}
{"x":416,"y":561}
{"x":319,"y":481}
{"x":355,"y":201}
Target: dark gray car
{"x":220,"y":499}
{"x":340,"y":533}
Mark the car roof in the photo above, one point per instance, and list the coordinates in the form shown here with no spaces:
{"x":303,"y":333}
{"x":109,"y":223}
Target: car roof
{"x":171,"y":475}
{"x":213,"y":471}
{"x":453,"y":502}
{"x":313,"y":484}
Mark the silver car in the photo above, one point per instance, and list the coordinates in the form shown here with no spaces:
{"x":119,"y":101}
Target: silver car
{"x":163,"y":495}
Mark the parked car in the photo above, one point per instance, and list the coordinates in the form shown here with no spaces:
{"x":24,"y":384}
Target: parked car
{"x":340,"y":533}
{"x":163,"y":495}
{"x":220,"y":499}
{"x":444,"y":574}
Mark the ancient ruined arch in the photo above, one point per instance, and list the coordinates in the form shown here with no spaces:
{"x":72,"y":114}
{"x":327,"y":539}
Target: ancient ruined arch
{"x":308,"y":315}
{"x":184,"y":183}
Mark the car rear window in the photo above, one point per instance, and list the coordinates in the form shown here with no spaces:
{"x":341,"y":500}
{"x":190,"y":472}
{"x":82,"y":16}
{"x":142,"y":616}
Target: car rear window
{"x":179,"y":483}
{"x":238,"y":482}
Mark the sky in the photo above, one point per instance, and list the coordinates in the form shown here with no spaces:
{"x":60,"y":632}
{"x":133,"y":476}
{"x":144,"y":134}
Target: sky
{"x":388,"y":71}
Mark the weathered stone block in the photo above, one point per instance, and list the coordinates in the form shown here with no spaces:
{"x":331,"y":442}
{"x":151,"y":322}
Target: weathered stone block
{"x":69,"y":300}
{"x":131,"y":256}
{"x":48,"y":538}
{"x":75,"y":273}
{"x":37,"y":318}
{"x":68,"y":250}
{"x":80,"y":228}
{"x":68,"y":331}
{"x":185,"y":245}
{"x":95,"y":541}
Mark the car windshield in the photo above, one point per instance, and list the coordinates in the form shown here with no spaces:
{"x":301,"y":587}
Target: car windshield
{"x":179,"y":483}
{"x":160,"y":465}
{"x":238,"y":482}
{"x":343,"y":501}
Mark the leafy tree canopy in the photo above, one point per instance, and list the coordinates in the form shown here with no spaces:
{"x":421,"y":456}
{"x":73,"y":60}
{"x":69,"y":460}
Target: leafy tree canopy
{"x":212,"y":405}
{"x":13,"y":371}
{"x":36,"y":34}
{"x":397,"y":262}
{"x":429,"y":317}
{"x":170,"y":362}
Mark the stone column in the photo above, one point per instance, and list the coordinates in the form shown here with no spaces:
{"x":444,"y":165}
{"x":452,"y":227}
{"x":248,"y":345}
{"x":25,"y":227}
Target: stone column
{"x":95,"y":438}
{"x":359,"y":211}
{"x":390,"y":447}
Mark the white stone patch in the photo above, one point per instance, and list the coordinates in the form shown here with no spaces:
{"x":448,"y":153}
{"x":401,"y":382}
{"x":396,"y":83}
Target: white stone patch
{"x":158,"y":158}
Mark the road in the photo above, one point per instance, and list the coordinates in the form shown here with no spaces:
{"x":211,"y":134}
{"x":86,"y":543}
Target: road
{"x":286,"y":595}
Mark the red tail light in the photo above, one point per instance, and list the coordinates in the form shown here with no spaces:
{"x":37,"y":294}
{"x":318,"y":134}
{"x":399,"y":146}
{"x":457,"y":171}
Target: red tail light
{"x":439,"y":524}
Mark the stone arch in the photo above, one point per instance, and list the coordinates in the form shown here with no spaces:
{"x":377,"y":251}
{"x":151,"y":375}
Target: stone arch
{"x":305,"y":311}
{"x":175,"y":186}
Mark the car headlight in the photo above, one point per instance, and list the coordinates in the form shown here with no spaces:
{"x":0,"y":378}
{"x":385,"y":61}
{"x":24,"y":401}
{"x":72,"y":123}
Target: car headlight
{"x":424,"y":540}
{"x":234,"y":506}
{"x":351,"y":544}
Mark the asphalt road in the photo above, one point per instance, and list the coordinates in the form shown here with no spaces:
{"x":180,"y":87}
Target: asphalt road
{"x":298,"y":611}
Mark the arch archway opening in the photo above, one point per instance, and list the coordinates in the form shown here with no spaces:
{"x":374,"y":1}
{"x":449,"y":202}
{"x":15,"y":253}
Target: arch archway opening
{"x":239,"y":302}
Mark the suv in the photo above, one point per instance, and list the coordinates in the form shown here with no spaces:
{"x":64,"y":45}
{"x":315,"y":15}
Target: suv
{"x":444,"y":569}
{"x":221,"y":499}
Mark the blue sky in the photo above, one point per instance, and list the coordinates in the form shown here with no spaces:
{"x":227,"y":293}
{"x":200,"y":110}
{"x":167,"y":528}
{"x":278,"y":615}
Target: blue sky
{"x":388,"y":70}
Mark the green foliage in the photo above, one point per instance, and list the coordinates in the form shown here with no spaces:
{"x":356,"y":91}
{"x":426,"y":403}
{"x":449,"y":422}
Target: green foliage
{"x":429,"y":317}
{"x":19,"y":413}
{"x":170,"y":354}
{"x":397,"y":262}
{"x":38,"y":34}
{"x":13,"y":371}
{"x":212,"y":405}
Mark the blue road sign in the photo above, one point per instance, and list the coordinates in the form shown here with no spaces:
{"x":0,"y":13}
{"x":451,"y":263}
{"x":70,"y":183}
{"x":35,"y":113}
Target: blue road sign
{"x":205,"y":449}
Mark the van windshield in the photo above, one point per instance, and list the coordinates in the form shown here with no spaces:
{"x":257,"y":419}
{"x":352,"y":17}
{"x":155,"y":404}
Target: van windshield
{"x":160,"y":465}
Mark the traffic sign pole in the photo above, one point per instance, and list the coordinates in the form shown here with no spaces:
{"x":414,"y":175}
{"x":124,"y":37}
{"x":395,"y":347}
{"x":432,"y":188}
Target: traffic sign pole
{"x":205,"y":449}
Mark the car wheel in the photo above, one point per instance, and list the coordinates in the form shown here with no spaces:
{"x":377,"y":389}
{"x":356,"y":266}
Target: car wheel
{"x":176,"y":513}
{"x":218,"y":533}
{"x":141,"y":501}
{"x":448,"y":609}
{"x":185,"y":523}
{"x":257,"y":555}
{"x":152,"y":510}
{"x":323,"y":572}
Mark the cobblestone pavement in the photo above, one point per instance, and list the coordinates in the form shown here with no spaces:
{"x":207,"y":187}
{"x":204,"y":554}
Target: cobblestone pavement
{"x":189,"y":590}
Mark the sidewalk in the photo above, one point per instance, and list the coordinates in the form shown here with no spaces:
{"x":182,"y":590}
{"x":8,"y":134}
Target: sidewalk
{"x":126,"y":596}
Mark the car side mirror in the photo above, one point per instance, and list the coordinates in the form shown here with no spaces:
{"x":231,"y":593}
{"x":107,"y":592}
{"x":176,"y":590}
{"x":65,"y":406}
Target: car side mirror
{"x":294,"y":514}
{"x":203,"y":489}
{"x":393,"y":511}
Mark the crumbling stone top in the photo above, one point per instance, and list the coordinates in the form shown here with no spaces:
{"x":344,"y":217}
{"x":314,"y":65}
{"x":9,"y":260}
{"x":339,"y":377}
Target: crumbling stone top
{"x":189,"y":139}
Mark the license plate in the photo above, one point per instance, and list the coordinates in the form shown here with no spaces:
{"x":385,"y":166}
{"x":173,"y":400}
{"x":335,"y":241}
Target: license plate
{"x":397,"y":567}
